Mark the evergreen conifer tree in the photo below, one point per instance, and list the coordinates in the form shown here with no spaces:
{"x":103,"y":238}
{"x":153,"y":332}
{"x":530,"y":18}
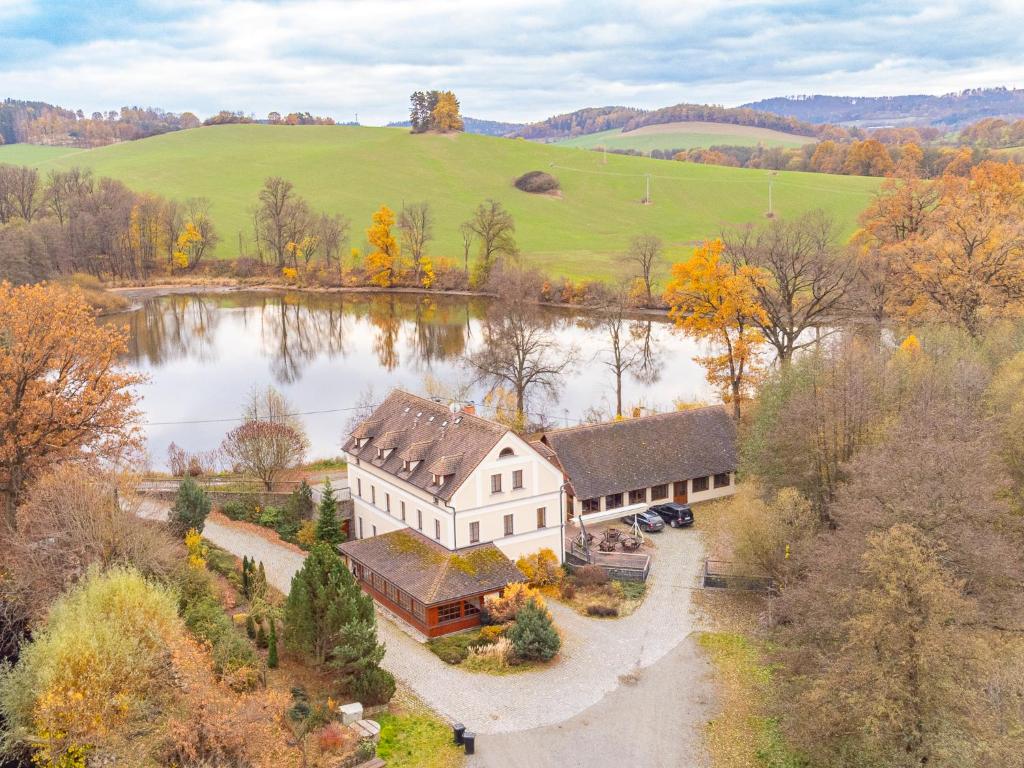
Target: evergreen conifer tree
{"x":272,"y":653}
{"x":533,"y":635}
{"x":323,"y":601}
{"x":327,"y":528}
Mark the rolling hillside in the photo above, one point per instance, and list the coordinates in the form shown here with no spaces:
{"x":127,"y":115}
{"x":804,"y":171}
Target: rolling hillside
{"x":353,"y":170}
{"x":686,"y":135}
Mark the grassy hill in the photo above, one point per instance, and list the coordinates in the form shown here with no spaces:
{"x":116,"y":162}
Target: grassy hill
{"x":353,"y":170}
{"x":688,"y":135}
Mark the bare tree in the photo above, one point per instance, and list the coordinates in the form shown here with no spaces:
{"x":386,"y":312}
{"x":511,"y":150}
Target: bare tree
{"x":645,"y":252}
{"x":808,"y":276}
{"x":468,"y":236}
{"x":518,"y":353}
{"x":495,"y":229}
{"x":281,"y":217}
{"x":416,"y":223}
{"x":19,"y":193}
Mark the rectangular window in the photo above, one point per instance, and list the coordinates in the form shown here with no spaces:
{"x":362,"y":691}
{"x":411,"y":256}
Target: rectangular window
{"x":448,"y":612}
{"x":373,"y":494}
{"x":360,"y":527}
{"x":591,"y":505}
{"x":469,"y":608}
{"x":418,"y":610}
{"x":495,"y":483}
{"x":721,"y":480}
{"x":542,"y":517}
{"x":404,"y":600}
{"x":374,"y":530}
{"x":700,"y":484}
{"x":403,"y":511}
{"x":659,"y":492}
{"x":387,"y":502}
{"x":613,"y":501}
{"x":517,"y":479}
{"x":509,"y":525}
{"x":391,"y":591}
{"x":474,"y":533}
{"x":639,"y":496}
{"x":419,"y":519}
{"x":437,"y":530}
{"x":359,"y":487}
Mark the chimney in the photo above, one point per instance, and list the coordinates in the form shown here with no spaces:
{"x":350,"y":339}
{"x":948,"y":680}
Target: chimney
{"x":469,"y":408}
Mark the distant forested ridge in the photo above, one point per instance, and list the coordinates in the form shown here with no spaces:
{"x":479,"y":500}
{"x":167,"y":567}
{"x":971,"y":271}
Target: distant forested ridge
{"x":474,"y":125}
{"x":952,"y":109}
{"x":595,"y":119}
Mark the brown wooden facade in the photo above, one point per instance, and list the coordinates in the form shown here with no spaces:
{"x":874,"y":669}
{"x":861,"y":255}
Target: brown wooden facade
{"x":434,"y":619}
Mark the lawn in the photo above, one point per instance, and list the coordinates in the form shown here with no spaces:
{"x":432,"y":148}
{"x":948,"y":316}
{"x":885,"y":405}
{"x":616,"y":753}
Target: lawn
{"x":416,"y":739}
{"x":353,"y":170}
{"x":741,"y":735}
{"x":686,"y":135}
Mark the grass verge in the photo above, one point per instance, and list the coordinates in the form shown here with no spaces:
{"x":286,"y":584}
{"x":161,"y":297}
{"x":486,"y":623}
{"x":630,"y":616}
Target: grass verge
{"x":741,"y":735}
{"x":416,"y":739}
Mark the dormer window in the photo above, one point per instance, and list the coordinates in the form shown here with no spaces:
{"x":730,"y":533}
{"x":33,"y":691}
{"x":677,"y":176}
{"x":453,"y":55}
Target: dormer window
{"x":383,"y":453}
{"x":438,"y":479}
{"x":362,"y":441}
{"x":409,"y":466}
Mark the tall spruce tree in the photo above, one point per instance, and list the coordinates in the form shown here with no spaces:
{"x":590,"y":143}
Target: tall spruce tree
{"x":324,"y":601}
{"x":328,"y":529}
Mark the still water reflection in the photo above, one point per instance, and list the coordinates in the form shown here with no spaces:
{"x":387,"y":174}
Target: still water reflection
{"x":204,"y":352}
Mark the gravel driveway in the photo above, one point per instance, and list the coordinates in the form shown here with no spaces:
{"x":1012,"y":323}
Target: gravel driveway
{"x":595,"y":653}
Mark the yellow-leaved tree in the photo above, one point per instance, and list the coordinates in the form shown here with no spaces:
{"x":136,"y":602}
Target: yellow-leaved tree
{"x":381,"y":263}
{"x":715,"y":301}
{"x":445,"y":117}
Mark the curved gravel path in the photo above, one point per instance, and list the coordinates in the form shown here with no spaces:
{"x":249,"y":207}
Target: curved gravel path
{"x":595,"y":653}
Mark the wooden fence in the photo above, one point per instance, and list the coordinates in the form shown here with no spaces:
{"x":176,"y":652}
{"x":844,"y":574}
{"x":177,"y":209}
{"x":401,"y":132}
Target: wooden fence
{"x":722,"y":574}
{"x":622,"y":566}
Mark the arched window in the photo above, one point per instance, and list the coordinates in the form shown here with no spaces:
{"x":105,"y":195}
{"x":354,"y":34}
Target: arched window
{"x":505,"y":453}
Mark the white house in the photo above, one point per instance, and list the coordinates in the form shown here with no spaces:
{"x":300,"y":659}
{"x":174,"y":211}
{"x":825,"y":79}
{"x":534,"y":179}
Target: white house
{"x":447,"y":494}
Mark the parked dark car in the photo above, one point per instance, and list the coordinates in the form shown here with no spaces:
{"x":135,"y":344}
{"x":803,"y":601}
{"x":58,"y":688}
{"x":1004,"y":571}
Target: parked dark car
{"x":676,"y":515}
{"x":647,"y":521}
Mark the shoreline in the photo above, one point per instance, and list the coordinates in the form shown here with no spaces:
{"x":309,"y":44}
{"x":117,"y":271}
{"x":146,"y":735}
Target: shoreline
{"x":136,"y":293}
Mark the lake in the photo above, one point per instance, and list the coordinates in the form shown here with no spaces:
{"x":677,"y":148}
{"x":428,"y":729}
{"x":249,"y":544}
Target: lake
{"x":204,"y":352}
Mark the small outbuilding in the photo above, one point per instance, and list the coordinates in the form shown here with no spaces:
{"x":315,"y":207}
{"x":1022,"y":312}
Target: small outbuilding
{"x":432,"y":588}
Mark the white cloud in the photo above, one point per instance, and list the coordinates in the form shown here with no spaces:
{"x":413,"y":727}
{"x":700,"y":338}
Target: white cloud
{"x":516,"y":59}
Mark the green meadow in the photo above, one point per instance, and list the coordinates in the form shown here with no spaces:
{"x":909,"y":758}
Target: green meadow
{"x":354,"y":170}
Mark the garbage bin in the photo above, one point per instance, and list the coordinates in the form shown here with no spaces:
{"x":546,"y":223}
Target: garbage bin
{"x":469,"y":742}
{"x":457,"y":730}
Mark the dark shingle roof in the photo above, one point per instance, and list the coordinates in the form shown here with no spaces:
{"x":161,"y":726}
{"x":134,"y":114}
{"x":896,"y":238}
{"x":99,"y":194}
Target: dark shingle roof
{"x":428,"y":571}
{"x":652,"y":450}
{"x":415,"y":429}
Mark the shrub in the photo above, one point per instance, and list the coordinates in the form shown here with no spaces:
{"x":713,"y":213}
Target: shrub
{"x":492,"y":632}
{"x":261,"y":636}
{"x":331,"y":738}
{"x":306,"y":536}
{"x":537,"y":182}
{"x":191,"y":506}
{"x":590,"y":575}
{"x":246,"y":507}
{"x":95,"y":669}
{"x":533,"y":634}
{"x":492,"y":657}
{"x":568,"y":589}
{"x":501,"y":610}
{"x":270,"y":517}
{"x":373,"y":686}
{"x":602,"y":607}
{"x":250,"y":626}
{"x":631,"y":590}
{"x":453,"y":649}
{"x":220,"y":561}
{"x":541,"y":568}
{"x":206,"y":620}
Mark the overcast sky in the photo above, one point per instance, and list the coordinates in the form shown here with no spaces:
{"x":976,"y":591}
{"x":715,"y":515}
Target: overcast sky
{"x":510,"y":60}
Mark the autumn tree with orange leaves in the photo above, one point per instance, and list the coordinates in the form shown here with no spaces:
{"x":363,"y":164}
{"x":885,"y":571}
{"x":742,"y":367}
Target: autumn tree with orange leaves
{"x":951,"y":249}
{"x":382,"y":265}
{"x":715,"y":301}
{"x":62,"y":394}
